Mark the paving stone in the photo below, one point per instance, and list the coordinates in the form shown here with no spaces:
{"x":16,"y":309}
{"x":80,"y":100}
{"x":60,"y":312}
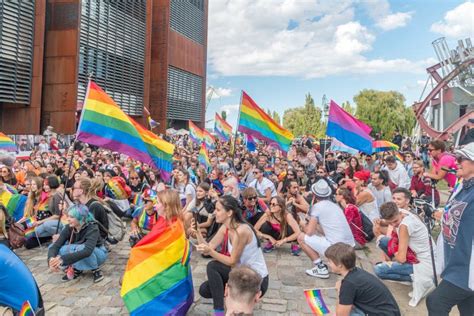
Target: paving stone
{"x":274,"y":308}
{"x":109,"y":311}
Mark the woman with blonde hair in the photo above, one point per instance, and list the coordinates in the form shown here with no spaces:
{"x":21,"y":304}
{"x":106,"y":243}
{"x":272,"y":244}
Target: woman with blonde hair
{"x":231,"y":187}
{"x":36,"y":204}
{"x":169,"y":205}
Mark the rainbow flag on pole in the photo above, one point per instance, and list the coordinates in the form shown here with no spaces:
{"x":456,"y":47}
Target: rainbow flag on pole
{"x":255,"y":122}
{"x":195,"y":133}
{"x":104,"y":124}
{"x":222,"y":129}
{"x":316,"y":302}
{"x":209,"y":139}
{"x":348,"y":130}
{"x":26,"y":309}
{"x":383,"y":145}
{"x":203,"y":156}
{"x":157,"y":280}
{"x":6,"y":143}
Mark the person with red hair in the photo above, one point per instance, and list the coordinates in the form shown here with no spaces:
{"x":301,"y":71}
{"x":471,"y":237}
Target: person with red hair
{"x":365,"y":199}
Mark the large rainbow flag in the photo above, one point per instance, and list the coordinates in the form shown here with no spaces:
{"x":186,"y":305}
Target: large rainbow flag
{"x":195,"y":133}
{"x":348,"y":130}
{"x":255,"y":122}
{"x":157,"y":280}
{"x":222,"y":129}
{"x":6,"y":143}
{"x":13,"y":202}
{"x":104,"y":124}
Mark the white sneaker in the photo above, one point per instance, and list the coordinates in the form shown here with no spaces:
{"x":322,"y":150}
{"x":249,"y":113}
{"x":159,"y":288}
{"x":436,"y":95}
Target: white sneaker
{"x":320,"y":271}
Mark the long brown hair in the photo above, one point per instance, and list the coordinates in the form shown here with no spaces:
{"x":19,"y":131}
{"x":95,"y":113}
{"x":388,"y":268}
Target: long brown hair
{"x":283,"y":223}
{"x":171,"y":203}
{"x":33,"y":198}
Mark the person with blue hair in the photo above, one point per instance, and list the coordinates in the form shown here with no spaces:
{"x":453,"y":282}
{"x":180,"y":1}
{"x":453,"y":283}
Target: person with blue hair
{"x":79,"y":246}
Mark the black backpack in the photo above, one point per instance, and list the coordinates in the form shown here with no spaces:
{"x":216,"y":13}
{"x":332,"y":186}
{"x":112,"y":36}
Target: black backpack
{"x":367,"y":227}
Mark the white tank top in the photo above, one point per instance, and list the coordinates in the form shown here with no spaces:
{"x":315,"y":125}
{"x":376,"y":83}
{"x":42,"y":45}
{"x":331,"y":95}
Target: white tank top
{"x":252,"y":256}
{"x":370,"y":209}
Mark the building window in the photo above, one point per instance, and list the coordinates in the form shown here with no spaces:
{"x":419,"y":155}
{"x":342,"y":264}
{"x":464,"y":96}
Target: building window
{"x":184,"y":95}
{"x":187,"y":18}
{"x":17,"y":23}
{"x":112,"y":48}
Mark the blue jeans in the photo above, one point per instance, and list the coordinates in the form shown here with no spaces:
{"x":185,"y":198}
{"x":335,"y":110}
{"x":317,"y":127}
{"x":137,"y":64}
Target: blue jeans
{"x":356,"y":311}
{"x":392,"y":270}
{"x":425,"y":158}
{"x":96,"y":259}
{"x":48,"y":228}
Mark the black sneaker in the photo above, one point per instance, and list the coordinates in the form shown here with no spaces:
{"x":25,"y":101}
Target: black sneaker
{"x":77,"y":273}
{"x":98,"y":276}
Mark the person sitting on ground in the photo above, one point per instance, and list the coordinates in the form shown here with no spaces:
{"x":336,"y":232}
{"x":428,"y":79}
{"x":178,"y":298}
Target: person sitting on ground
{"x":265,"y":188}
{"x":359,"y":292}
{"x":327,"y":225}
{"x":278,"y":227}
{"x":402,"y":198}
{"x":253,"y":207}
{"x":144,"y":217}
{"x":407,"y":251}
{"x":397,"y":173}
{"x":365,"y":199}
{"x":346,"y":201}
{"x":242,"y":291}
{"x":379,"y":187}
{"x":295,"y":201}
{"x":421,"y":187}
{"x":244,"y":248}
{"x":231,"y":187}
{"x":79,"y":245}
{"x":204,"y":211}
{"x":353,"y":167}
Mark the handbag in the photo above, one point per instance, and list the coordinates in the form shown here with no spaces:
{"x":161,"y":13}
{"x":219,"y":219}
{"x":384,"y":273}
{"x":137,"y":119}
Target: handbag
{"x":16,"y":235}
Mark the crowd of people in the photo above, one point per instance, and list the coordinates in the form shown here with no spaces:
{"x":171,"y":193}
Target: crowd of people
{"x":245,"y":204}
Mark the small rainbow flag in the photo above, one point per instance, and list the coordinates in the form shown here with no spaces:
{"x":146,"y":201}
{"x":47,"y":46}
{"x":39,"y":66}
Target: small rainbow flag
{"x":316,"y":302}
{"x":29,"y":221}
{"x":13,"y":202}
{"x":256,"y":122}
{"x":383,"y":145}
{"x":26,"y":309}
{"x":104,"y":124}
{"x":203,"y":156}
{"x":6,"y":143}
{"x":157,"y":279}
{"x":30,"y":232}
{"x":222,"y":129}
{"x":398,"y":156}
{"x":209,"y":140}
{"x":195,"y":133}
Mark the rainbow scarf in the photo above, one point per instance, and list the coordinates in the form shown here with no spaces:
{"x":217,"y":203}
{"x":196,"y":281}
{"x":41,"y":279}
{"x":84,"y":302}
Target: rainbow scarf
{"x":222,"y":129}
{"x":254,"y":121}
{"x":157,"y":279}
{"x":104,"y":124}
{"x":26,"y":309}
{"x":6,"y":143}
{"x":195,"y":133}
{"x":316,"y":302}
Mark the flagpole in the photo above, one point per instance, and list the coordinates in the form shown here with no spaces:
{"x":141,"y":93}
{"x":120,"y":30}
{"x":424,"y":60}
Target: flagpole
{"x":326,"y":118}
{"x":238,"y":124}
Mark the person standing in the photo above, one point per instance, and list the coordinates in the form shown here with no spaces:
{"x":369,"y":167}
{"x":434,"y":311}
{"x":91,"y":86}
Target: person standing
{"x":469,"y":136}
{"x":457,"y":285}
{"x":423,"y":143}
{"x":443,"y":163}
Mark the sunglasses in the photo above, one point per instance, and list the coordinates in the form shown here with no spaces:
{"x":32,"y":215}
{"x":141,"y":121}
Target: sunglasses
{"x":251,"y":198}
{"x":133,"y":178}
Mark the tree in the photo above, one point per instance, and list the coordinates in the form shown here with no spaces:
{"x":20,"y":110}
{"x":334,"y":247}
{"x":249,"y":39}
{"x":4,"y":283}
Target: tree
{"x":304,"y":120}
{"x":385,"y":112}
{"x":224,"y":115}
{"x":276,"y":117}
{"x":348,"y":108}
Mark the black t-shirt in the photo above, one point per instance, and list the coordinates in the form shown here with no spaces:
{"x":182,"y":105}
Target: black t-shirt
{"x":368,"y":293}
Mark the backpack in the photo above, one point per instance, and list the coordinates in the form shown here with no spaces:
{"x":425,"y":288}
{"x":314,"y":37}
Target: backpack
{"x":117,"y":227}
{"x":367,"y":227}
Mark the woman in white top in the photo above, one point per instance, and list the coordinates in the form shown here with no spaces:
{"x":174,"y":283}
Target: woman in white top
{"x":365,"y":199}
{"x":243,"y":246}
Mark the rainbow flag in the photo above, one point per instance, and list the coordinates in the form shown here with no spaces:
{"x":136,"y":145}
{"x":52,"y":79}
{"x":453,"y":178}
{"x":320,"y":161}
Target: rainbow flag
{"x":209,"y":140}
{"x":195,"y":133}
{"x":222,"y":129}
{"x":14,"y":203}
{"x":26,"y":309}
{"x":399,"y":156}
{"x":104,"y":124}
{"x":6,"y":143}
{"x":348,"y":130}
{"x":29,"y":221}
{"x":316,"y":302}
{"x":157,"y":280}
{"x":30,"y":232}
{"x":203,"y":156}
{"x":383,"y":145}
{"x":255,"y":122}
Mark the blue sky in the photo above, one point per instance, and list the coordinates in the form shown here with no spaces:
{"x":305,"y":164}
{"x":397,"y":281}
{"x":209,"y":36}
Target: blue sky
{"x":280,"y":50}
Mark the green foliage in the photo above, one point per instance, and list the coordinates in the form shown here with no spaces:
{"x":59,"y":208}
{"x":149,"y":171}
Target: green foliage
{"x":385,"y":112}
{"x":304,"y":120}
{"x":224,"y":115}
{"x":276,"y":117}
{"x":348,"y":108}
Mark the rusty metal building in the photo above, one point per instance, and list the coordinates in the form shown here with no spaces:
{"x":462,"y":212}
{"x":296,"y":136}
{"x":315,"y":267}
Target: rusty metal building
{"x":148,"y":53}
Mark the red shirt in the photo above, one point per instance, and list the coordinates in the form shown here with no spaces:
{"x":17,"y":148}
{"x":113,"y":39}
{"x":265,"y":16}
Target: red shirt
{"x":355,"y":222}
{"x":418,"y":184}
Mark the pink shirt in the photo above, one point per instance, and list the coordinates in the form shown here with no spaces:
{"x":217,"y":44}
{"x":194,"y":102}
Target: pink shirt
{"x":446,"y":161}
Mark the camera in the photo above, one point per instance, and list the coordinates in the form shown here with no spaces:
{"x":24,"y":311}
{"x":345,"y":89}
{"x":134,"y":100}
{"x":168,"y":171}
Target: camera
{"x":423,"y":206}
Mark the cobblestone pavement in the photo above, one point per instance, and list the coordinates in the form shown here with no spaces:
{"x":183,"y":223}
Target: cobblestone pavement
{"x":284,"y":296}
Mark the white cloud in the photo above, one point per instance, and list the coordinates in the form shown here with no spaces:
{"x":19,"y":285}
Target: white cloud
{"x":228,"y":108}
{"x":393,"y":21}
{"x":219,"y":92}
{"x":457,"y":23}
{"x":251,"y":37}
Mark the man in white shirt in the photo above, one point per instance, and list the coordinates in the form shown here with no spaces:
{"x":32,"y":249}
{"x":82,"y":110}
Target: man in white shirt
{"x":327,"y":225}
{"x":378,"y":186}
{"x":397,"y":173}
{"x":265,"y":188}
